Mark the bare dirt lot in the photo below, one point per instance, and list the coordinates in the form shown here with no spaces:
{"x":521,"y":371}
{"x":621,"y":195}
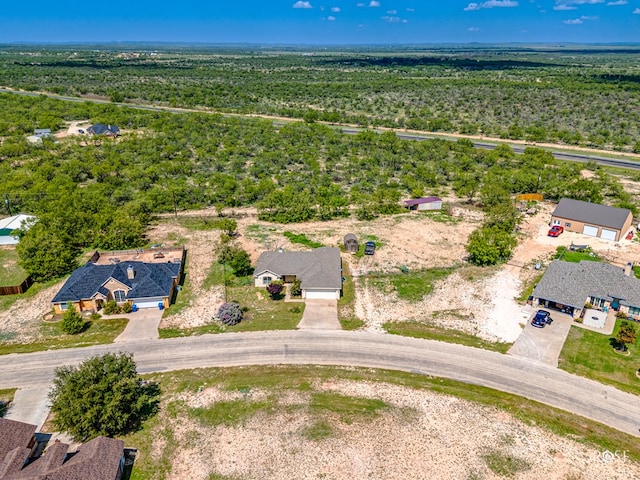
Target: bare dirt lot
{"x":417,"y":434}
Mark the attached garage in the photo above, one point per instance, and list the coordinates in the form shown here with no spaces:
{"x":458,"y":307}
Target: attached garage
{"x":589,"y":230}
{"x":608,"y":234}
{"x":148,"y":303}
{"x":324,"y":294}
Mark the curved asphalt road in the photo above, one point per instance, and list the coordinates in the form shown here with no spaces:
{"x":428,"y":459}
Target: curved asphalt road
{"x":362,"y":349}
{"x":559,"y":155}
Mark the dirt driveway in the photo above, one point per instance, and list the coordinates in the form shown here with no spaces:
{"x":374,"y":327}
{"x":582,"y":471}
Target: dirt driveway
{"x":543,"y":344}
{"x":320,"y":315}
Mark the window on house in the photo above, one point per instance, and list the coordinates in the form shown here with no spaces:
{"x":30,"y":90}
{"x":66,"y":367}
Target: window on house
{"x":567,"y":224}
{"x":634,"y":310}
{"x":119,"y":295}
{"x":597,"y":302}
{"x":266,"y":280}
{"x":557,"y":222}
{"x":64,"y":306}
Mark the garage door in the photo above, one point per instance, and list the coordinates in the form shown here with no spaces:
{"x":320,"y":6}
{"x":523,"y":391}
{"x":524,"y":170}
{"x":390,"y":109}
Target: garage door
{"x":321,"y":295}
{"x":150,"y":304}
{"x":591,"y":231}
{"x":608,"y":234}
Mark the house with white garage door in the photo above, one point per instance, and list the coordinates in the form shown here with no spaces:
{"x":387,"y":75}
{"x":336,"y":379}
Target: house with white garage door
{"x":595,"y":220}
{"x":142,"y":278}
{"x":319,"y":271}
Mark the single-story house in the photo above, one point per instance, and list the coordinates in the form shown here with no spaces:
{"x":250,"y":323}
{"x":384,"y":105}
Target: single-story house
{"x":102,"y":129}
{"x":319,"y":271}
{"x":592,"y":219}
{"x":21,"y":458}
{"x":425,"y":203}
{"x":148,"y":283}
{"x":571,"y":286}
{"x":350,"y":243}
{"x":8,"y":225}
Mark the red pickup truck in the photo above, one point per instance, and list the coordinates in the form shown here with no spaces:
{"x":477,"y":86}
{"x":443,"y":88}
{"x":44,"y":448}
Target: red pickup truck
{"x":555,"y":231}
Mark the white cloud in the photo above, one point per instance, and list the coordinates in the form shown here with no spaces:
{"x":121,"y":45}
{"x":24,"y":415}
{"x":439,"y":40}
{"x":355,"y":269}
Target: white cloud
{"x":411,"y":10}
{"x":391,"y":19}
{"x":392,"y":12}
{"x":374,"y":3}
{"x":491,"y":4}
{"x":636,"y":11}
{"x":473,"y":29}
{"x":335,"y":9}
{"x":301,"y":4}
{"x":331,"y":18}
{"x":616,"y":3}
{"x":360,"y":5}
{"x":564,"y":7}
{"x":579,"y":21}
{"x":577,"y":2}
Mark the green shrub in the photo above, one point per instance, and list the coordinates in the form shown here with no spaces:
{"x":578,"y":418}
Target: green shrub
{"x":230,"y":313}
{"x":111,"y":307}
{"x":72,"y":322}
{"x":296,"y":289}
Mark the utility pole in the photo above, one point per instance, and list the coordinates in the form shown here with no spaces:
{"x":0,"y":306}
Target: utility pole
{"x":8,"y":204}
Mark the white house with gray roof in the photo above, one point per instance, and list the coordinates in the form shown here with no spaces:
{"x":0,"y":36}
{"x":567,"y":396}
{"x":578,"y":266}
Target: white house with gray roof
{"x":569,"y":286}
{"x":595,"y":220}
{"x":319,"y":271}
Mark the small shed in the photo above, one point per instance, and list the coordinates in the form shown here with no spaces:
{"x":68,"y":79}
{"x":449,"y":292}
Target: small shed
{"x":350,"y":243}
{"x":425,"y":203}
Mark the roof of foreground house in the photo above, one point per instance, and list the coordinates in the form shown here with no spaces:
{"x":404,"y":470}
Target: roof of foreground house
{"x":592,"y":213}
{"x":97,"y":459}
{"x":573,"y":283}
{"x":318,"y":268}
{"x":151,"y":280}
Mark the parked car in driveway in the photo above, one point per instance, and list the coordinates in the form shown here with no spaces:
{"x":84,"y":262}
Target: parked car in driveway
{"x":555,"y":231}
{"x":541,"y":318}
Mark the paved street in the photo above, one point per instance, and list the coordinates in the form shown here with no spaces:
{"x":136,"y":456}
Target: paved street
{"x":503,"y":372}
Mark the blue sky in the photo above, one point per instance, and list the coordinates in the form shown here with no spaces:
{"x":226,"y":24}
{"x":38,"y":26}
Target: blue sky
{"x":323,"y":21}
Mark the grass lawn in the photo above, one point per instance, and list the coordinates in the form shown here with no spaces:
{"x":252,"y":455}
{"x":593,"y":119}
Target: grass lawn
{"x":590,"y":354}
{"x":157,"y":441}
{"x":431,"y":332}
{"x":98,"y":332}
{"x":10,"y":272}
{"x":411,"y":286}
{"x":563,"y":253}
{"x":302,"y":239}
{"x":261,"y":312}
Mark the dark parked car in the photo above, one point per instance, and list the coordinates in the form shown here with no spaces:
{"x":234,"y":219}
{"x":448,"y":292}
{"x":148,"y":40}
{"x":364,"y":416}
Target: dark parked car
{"x":369,"y":248}
{"x":541,"y":318}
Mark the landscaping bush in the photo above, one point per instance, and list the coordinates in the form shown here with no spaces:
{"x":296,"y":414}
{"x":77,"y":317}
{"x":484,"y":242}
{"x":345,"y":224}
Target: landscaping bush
{"x":296,"y":289}
{"x":230,"y":313}
{"x":110,"y":308}
{"x":72,"y":322}
{"x":275,"y":289}
{"x":125,"y":308}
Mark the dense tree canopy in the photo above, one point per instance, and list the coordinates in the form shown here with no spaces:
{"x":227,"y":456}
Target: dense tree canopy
{"x":102,"y":396}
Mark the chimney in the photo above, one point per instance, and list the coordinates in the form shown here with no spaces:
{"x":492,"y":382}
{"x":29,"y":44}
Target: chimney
{"x":628,"y":269}
{"x":131,"y":273}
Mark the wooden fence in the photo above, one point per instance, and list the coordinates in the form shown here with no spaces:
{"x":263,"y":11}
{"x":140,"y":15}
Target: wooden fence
{"x":530,"y":197}
{"x":17,"y":289}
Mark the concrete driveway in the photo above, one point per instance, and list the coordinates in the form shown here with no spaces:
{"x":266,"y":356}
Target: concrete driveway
{"x":543,"y":344}
{"x":143,"y":325}
{"x":320,"y":315}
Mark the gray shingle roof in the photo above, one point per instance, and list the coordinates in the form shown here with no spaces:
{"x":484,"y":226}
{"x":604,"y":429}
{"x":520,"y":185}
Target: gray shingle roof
{"x":151,"y":280}
{"x":318,"y":268}
{"x":102,"y":129}
{"x":573,"y":283}
{"x":418,"y":201}
{"x":97,"y":459}
{"x":592,"y":213}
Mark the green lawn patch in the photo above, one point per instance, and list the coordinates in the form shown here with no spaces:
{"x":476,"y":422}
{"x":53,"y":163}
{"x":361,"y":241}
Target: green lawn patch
{"x":636,"y":271}
{"x":231,"y":413}
{"x":411,"y":286}
{"x":347,"y":408}
{"x":10,"y":272}
{"x":527,"y":291}
{"x":260,"y":312}
{"x":563,"y":253}
{"x":302,"y":239}
{"x":351,"y":323}
{"x":590,"y":354}
{"x":98,"y":332}
{"x":432,"y":332}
